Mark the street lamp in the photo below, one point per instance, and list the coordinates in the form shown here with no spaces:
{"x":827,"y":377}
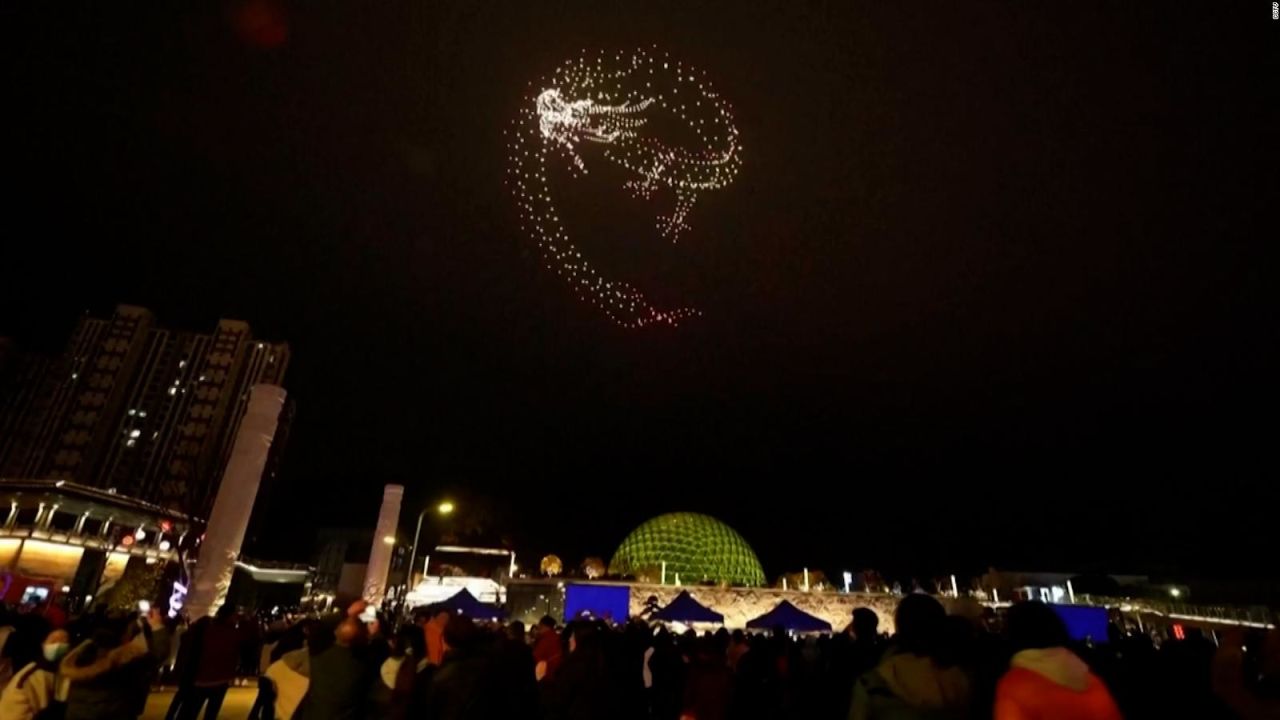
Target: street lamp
{"x":444,"y":509}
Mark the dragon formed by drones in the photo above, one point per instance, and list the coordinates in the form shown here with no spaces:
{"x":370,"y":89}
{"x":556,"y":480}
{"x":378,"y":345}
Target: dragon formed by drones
{"x":606,"y":102}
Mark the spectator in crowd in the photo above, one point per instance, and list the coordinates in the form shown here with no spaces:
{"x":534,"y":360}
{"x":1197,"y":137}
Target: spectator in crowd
{"x":580,"y":687}
{"x":109,"y":674}
{"x":1007,"y":664}
{"x":218,"y":640}
{"x":433,"y":631}
{"x":289,"y":676}
{"x":36,"y":688}
{"x":738,"y":646}
{"x":160,"y":636}
{"x":917,"y":677}
{"x":1045,"y":679}
{"x":341,"y":676}
{"x":547,"y":650}
{"x":709,"y":684}
{"x":393,"y":688}
{"x":465,"y":687}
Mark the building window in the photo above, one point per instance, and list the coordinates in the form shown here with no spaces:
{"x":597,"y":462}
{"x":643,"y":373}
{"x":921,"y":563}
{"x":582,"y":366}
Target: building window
{"x":63,"y":521}
{"x":26,"y":516}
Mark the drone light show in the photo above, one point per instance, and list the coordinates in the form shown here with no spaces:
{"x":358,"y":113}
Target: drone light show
{"x":620,"y":108}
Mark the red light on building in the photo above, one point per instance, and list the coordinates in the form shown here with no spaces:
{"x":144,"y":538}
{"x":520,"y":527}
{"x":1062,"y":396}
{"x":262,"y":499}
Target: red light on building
{"x":127,"y":540}
{"x":166,"y":526}
{"x":1178,"y":632}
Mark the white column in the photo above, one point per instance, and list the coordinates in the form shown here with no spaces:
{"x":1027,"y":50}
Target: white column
{"x":375,"y":577}
{"x":234,"y":501}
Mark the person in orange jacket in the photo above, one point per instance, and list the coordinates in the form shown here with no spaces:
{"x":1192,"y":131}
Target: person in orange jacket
{"x":1045,"y":680}
{"x":433,"y":633}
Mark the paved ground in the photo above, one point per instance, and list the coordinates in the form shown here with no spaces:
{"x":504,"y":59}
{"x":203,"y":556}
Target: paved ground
{"x":235,"y":707}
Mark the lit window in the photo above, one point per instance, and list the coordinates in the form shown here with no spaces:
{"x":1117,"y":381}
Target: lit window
{"x":134,"y":433}
{"x":130,"y":442}
{"x":132,"y":411}
{"x":182,"y":364}
{"x":143,"y":413}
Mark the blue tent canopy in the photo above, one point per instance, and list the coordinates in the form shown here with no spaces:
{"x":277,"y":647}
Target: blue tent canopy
{"x":687,"y":610}
{"x":789,"y":617}
{"x":464,"y":603}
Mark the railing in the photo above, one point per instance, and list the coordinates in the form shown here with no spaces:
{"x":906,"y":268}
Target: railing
{"x":1256,"y":616}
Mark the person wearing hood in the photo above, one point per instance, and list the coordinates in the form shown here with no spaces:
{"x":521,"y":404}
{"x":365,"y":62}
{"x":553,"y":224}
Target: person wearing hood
{"x":36,"y":687}
{"x":1045,"y":679}
{"x":917,"y":679}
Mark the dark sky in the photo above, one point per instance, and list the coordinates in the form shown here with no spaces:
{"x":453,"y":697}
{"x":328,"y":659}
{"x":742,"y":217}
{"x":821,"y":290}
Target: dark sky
{"x":992,"y":287}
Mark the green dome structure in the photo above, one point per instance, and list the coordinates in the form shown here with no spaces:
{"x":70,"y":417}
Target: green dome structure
{"x":696,"y":546}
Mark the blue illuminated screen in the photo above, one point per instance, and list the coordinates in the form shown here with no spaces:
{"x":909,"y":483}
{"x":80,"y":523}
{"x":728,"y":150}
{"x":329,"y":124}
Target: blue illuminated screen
{"x":1084,"y":623}
{"x":609,"y":602}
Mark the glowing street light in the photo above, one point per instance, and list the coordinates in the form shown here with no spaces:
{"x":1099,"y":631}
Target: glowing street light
{"x":444,"y":509}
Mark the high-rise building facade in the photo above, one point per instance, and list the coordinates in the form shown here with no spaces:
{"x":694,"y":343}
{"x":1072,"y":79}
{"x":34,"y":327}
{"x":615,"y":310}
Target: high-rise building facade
{"x":134,"y":408}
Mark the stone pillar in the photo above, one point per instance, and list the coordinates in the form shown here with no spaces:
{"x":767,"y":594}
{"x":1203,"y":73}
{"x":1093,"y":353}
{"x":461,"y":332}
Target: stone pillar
{"x":234,"y":501}
{"x":375,"y":577}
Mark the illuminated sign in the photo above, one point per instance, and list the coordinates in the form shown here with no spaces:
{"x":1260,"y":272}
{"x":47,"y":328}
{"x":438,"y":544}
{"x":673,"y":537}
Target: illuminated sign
{"x":177,"y":599}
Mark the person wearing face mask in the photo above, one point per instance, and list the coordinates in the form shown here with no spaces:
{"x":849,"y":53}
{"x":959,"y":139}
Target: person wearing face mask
{"x":35,"y":690}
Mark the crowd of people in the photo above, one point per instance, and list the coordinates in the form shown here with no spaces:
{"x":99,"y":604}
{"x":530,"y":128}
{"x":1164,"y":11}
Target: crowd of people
{"x":97,"y":666}
{"x":439,"y":665}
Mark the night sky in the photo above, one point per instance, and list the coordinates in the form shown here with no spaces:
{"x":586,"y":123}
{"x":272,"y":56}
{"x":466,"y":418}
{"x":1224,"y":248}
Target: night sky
{"x":993,"y":285}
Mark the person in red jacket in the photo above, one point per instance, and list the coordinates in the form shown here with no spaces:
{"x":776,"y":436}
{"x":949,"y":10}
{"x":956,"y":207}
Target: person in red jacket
{"x":708,"y":683}
{"x":1045,"y":680}
{"x":216,"y":660}
{"x":546,"y":649}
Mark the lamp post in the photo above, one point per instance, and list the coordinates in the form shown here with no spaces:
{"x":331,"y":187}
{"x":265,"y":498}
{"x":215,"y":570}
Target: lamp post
{"x":444,"y":509}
